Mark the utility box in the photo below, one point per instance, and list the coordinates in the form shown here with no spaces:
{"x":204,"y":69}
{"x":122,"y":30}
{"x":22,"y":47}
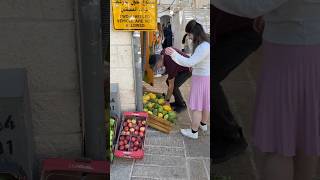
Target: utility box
{"x":115,"y":99}
{"x":16,"y":136}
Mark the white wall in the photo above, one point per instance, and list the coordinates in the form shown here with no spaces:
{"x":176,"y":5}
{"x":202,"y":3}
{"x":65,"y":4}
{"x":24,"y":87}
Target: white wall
{"x":121,"y":67}
{"x":178,"y":28}
{"x":39,"y":35}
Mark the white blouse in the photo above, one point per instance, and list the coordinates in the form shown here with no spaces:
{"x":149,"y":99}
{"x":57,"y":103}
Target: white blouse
{"x":295,"y":22}
{"x":199,"y":60}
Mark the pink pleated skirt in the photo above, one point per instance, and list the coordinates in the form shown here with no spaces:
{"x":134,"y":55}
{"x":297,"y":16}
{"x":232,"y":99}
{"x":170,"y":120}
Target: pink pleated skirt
{"x":287,"y":111}
{"x":199,"y":98}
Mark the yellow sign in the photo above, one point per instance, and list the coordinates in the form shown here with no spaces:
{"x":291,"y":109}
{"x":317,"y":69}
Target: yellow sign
{"x":134,"y":15}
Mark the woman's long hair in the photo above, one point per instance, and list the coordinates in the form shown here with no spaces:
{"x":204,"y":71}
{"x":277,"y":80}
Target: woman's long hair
{"x":184,"y":39}
{"x":199,"y":35}
{"x":159,"y":27}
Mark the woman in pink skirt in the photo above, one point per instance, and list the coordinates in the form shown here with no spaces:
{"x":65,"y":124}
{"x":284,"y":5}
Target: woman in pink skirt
{"x":286,"y":129}
{"x":199,"y":100}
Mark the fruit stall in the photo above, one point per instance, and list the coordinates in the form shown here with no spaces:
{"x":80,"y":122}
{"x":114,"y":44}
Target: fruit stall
{"x":130,"y":143}
{"x":161,"y":116}
{"x":127,"y":140}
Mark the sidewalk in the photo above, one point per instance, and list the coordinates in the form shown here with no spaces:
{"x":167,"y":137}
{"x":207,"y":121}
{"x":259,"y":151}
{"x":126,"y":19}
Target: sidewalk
{"x":168,"y":156}
{"x":240,"y":88}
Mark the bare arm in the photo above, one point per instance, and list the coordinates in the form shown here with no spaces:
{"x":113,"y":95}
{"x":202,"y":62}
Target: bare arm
{"x":170,"y":89}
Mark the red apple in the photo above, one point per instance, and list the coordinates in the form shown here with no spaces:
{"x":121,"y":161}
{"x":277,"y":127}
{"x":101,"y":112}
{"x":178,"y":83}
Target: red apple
{"x":136,"y":133}
{"x":136,"y":128}
{"x":141,"y":134}
{"x":129,"y":121}
{"x":142,"y":129}
{"x":133,"y":139}
{"x":127,"y":146}
{"x":139,"y":139}
{"x":125,"y":124}
{"x":123,"y":132}
{"x":125,"y":141}
{"x":126,"y":128}
{"x":121,"y":143}
{"x":135,"y":148}
{"x":143,"y":122}
{"x":121,"y":148}
{"x":136,"y":143}
{"x":128,"y":138}
{"x":127,"y":133}
{"x":121,"y":138}
{"x":130,"y":125}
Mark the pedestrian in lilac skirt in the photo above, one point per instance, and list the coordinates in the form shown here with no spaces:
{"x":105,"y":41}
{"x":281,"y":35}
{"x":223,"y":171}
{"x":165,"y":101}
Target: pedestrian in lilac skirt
{"x":199,"y":99}
{"x":286,"y":123}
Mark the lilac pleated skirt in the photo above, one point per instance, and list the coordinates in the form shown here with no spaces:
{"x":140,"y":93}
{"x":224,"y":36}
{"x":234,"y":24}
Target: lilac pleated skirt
{"x":287,"y":111}
{"x":199,"y":99}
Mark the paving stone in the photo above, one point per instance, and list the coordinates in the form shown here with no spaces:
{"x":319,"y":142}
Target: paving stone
{"x":240,"y":89}
{"x":207,"y":164}
{"x":164,"y":151}
{"x":237,"y":166}
{"x":161,"y":139}
{"x":160,"y":172}
{"x":183,"y":121}
{"x":183,"y":117}
{"x":241,"y":99}
{"x":161,"y":160}
{"x":240,"y":74}
{"x":142,"y":178}
{"x":234,"y":177}
{"x":254,"y":64}
{"x":120,"y":169}
{"x":197,"y":170}
{"x":199,"y":147}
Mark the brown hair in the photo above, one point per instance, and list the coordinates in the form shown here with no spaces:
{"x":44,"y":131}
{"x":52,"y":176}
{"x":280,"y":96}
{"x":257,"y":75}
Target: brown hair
{"x":160,"y":30}
{"x":196,"y":29}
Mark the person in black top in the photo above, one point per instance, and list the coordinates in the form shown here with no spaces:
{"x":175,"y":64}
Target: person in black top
{"x":177,"y":75}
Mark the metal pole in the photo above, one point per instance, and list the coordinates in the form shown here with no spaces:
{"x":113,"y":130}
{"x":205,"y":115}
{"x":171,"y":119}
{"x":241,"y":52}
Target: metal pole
{"x":92,"y":78}
{"x":138,"y":69}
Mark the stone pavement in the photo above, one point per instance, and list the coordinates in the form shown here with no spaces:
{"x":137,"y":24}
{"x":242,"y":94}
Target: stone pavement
{"x":168,"y":156}
{"x":240,"y":89}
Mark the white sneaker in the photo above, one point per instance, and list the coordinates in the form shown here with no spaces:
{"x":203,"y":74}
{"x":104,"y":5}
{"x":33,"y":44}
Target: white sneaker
{"x":204,"y":128}
{"x":188,"y":133}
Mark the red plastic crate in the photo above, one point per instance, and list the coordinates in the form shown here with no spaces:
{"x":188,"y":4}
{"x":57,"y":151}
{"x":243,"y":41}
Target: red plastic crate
{"x":64,"y":169}
{"x":131,"y":154}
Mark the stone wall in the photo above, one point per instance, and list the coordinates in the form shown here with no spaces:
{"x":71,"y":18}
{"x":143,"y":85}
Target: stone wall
{"x":40,"y":35}
{"x":121,"y":67}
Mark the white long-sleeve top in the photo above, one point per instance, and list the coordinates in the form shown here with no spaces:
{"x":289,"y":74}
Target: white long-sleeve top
{"x":199,"y":60}
{"x":295,"y":22}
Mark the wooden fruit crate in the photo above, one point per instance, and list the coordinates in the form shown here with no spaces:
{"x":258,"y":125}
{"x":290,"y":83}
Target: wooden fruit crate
{"x":139,"y":154}
{"x":158,"y":123}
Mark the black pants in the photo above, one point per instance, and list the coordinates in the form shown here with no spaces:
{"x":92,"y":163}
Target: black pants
{"x":178,"y":81}
{"x":227,"y":54}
